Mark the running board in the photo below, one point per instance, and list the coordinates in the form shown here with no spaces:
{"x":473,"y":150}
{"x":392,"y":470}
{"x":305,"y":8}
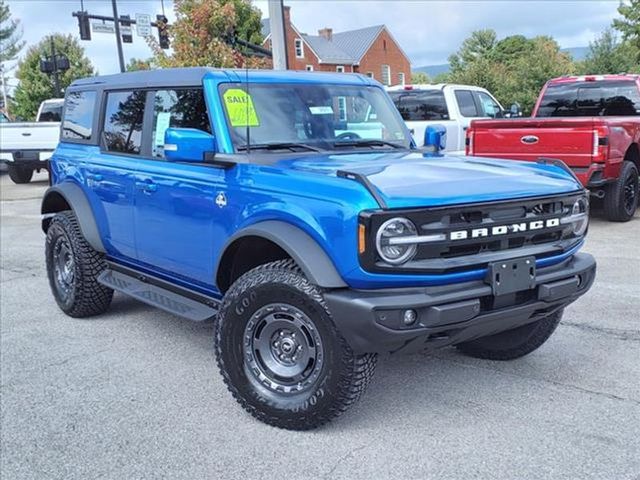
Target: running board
{"x":157,"y":296}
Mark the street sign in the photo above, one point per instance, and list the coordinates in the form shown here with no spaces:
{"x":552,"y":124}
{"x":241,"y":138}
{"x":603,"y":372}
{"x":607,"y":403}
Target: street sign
{"x":143,"y":24}
{"x":101,"y":27}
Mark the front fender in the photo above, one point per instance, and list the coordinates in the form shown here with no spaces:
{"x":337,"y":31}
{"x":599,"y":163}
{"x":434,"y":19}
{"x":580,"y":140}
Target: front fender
{"x":304,"y":250}
{"x":68,"y":195}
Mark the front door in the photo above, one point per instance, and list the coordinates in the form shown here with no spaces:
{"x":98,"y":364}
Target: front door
{"x":178,"y":225}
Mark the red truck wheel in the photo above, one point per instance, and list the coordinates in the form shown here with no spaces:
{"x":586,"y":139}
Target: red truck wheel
{"x":621,"y":199}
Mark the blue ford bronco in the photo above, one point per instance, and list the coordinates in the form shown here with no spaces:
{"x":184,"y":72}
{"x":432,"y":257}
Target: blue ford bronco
{"x":294,"y":210}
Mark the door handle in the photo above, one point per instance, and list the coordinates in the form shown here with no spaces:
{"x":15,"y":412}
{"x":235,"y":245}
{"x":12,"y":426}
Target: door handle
{"x":147,"y":187}
{"x":95,"y":176}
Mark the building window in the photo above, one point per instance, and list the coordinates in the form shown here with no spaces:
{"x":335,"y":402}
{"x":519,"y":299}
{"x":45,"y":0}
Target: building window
{"x":384,"y":45}
{"x":299,"y":48}
{"x":340,"y":69}
{"x":370,"y":75}
{"x":401,"y":78}
{"x":386,"y":75}
{"x":309,"y":68}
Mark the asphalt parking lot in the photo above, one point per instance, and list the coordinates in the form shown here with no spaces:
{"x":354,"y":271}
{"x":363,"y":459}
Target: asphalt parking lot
{"x":135,"y":393}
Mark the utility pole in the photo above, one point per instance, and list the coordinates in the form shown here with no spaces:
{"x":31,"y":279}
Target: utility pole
{"x":56,"y":78}
{"x":278,"y":35}
{"x":116,"y":22}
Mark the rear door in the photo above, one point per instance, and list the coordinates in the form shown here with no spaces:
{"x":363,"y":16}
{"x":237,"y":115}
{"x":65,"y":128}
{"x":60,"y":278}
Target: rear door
{"x":109,"y":173}
{"x":421,"y":108}
{"x":177,"y":220}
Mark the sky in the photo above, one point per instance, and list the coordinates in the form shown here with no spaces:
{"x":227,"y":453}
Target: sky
{"x":428,"y":30}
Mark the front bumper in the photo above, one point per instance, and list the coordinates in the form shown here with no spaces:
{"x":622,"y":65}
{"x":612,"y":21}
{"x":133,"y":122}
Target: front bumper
{"x":371,"y":320}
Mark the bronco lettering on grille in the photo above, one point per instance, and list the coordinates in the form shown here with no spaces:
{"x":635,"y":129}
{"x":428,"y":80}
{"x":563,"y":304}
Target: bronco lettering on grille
{"x":504,"y":229}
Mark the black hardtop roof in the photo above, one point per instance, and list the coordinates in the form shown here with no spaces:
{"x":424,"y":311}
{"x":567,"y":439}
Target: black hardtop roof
{"x":146,"y":78}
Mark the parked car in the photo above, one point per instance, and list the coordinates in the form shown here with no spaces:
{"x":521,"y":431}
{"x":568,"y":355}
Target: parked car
{"x":244,"y":197}
{"x":590,"y":122}
{"x":453,"y":106}
{"x":26,"y":146}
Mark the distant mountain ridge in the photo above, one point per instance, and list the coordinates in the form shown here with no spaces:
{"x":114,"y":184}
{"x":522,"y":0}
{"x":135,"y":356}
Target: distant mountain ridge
{"x":578,"y":53}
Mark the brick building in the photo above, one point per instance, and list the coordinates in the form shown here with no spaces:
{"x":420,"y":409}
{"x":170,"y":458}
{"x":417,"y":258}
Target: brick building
{"x":371,"y":51}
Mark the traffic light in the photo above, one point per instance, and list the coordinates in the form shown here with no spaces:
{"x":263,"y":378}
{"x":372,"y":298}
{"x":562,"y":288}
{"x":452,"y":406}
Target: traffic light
{"x":163,"y":31}
{"x":84,"y":26}
{"x":125,"y":29}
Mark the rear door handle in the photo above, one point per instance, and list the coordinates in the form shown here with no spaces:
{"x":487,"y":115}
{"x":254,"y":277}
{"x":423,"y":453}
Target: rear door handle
{"x":147,"y":186}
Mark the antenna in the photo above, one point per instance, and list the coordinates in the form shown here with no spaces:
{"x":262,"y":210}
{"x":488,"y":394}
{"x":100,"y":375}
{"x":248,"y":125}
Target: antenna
{"x":246,"y":79}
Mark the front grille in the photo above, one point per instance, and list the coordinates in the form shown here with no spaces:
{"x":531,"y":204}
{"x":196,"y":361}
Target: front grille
{"x":475,"y":234}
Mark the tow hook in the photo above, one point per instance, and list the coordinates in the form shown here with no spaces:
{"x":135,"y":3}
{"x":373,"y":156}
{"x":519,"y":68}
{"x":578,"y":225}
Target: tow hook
{"x":600,"y":193}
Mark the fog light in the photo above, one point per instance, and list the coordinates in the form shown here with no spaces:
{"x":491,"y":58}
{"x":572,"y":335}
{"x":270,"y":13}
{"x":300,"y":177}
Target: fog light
{"x":409,"y":317}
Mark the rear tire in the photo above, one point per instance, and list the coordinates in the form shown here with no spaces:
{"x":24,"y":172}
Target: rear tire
{"x":73,"y":267}
{"x":514,"y":343}
{"x":621,"y":199}
{"x":19,"y":174}
{"x":268,"y":313}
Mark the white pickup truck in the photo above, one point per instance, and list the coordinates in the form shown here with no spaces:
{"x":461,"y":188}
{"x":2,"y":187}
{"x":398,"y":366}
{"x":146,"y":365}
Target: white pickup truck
{"x":453,"y":106}
{"x":26,"y":146}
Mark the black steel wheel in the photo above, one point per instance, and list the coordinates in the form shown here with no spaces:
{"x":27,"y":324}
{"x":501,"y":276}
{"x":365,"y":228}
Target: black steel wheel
{"x":73,"y":267}
{"x":280,"y":353}
{"x":621,"y":198}
{"x":283,"y":349}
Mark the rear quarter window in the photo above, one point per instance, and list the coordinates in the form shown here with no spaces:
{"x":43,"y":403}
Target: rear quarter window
{"x":79,"y":108}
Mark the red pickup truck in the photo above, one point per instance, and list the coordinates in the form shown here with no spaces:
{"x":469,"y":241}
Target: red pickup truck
{"x":592,"y":123}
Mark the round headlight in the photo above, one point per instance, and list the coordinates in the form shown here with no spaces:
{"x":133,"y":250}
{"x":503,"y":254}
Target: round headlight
{"x":580,"y":214}
{"x":389,"y":240}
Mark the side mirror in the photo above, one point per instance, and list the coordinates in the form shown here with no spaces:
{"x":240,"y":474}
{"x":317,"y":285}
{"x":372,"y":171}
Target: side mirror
{"x":515,"y":110}
{"x":435,"y":139}
{"x":187,"y":144}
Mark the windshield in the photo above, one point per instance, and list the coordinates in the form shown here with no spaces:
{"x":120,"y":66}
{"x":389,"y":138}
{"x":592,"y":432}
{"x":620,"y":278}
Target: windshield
{"x":589,"y":99}
{"x":315,"y":116}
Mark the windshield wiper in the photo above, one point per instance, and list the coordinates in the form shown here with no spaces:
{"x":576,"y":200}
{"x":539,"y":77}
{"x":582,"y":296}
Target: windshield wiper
{"x":279,"y":146}
{"x":367,"y":143}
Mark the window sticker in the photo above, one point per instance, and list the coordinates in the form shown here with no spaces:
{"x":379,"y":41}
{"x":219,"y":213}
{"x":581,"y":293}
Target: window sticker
{"x":240,"y":108}
{"x":162,"y":123}
{"x":321,"y":110}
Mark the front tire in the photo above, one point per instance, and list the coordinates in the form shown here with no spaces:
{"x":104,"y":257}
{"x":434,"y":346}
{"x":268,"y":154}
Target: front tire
{"x":73,"y":267}
{"x":280,"y":353}
{"x":19,"y":174}
{"x":514,"y":343}
{"x":621,"y":199}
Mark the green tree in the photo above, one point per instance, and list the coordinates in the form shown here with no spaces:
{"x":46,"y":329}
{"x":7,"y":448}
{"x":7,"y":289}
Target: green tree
{"x":418,"y":78}
{"x":136,"y":64}
{"x":629,"y":24}
{"x":203,"y":30}
{"x":514,"y":69}
{"x":35,"y":86}
{"x":10,"y":36}
{"x":608,"y":55}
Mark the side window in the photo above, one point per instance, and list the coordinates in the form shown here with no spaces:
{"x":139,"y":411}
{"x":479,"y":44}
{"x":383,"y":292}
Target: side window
{"x":490,"y":107}
{"x":466,"y":103}
{"x":179,"y":109}
{"x":416,"y":105}
{"x":78,"y":115}
{"x":123,"y":121}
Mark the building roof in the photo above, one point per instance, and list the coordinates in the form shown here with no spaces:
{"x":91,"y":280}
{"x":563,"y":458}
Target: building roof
{"x":265,"y":27}
{"x":344,"y":47}
{"x":326,"y":51}
{"x":357,"y":42}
